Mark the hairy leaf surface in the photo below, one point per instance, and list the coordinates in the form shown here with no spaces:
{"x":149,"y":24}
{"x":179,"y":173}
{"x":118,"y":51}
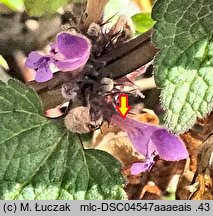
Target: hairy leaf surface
{"x":184,"y":65}
{"x":40,"y":159}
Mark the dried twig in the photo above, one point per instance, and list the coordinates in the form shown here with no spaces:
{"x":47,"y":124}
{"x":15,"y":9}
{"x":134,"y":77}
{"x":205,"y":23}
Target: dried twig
{"x":94,"y":11}
{"x":129,"y":57}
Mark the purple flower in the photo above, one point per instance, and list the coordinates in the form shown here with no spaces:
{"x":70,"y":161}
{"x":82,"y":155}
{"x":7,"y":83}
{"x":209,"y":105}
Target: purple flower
{"x":41,"y":64}
{"x":150,"y":140}
{"x":69,"y":52}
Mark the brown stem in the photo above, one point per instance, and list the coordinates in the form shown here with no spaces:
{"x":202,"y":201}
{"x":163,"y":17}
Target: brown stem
{"x":129,"y":56}
{"x":58,"y":79}
{"x":94,"y":12}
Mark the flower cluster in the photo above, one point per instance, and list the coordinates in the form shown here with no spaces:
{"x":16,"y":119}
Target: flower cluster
{"x":150,"y":140}
{"x":69,"y":52}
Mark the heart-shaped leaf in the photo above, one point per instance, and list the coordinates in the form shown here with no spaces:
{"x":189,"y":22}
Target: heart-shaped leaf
{"x":40,"y":159}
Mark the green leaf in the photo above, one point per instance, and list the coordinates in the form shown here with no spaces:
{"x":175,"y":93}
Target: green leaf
{"x":40,"y":159}
{"x":40,"y":7}
{"x":143,"y":22}
{"x":13,"y":4}
{"x":184,"y":65}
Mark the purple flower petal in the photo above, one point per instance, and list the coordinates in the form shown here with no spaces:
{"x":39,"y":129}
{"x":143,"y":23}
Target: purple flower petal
{"x":140,"y":137}
{"x":73,"y":46}
{"x":73,"y":51}
{"x":41,"y":64}
{"x":169,"y":146}
{"x":150,"y":140}
{"x":70,"y":65}
{"x":69,"y":52}
{"x":43,"y":74}
{"x":139,"y":133}
{"x":33,"y":59}
{"x":139,"y":167}
{"x":54,"y":49}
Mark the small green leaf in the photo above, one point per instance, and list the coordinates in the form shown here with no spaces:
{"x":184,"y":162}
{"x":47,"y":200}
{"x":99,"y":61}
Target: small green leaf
{"x":184,"y":65}
{"x":143,"y":22}
{"x":40,"y":7}
{"x":13,"y":4}
{"x":40,"y":159}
